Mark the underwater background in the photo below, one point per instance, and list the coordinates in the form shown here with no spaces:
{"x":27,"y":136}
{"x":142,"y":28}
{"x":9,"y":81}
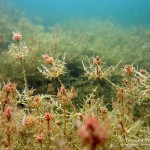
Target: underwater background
{"x":124,"y":12}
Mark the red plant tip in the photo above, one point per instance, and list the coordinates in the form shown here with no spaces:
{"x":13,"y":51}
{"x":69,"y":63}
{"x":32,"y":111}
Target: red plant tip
{"x":6,"y":143}
{"x":104,"y":111}
{"x":91,"y":122}
{"x":121,"y":90}
{"x":129,"y":70}
{"x":8,"y":112}
{"x":48,"y":116}
{"x":36,"y":98}
{"x":36,"y":101}
{"x":10,"y":87}
{"x":142,"y":71}
{"x":81,"y":117}
{"x":72,"y":90}
{"x":40,"y":138}
{"x":125,"y":81}
{"x":97,"y":60}
{"x":90,"y":101}
{"x":29,"y":121}
{"x":63,"y":89}
{"x":121,"y":94}
{"x":93,"y":133}
{"x":47,"y":59}
{"x":138,"y":80}
{"x":17,"y":36}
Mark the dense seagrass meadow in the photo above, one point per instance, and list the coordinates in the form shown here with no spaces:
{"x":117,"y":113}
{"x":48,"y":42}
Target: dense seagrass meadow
{"x":73,"y":84}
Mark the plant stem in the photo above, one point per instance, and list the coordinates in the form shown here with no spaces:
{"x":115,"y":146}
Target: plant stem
{"x":23,"y":68}
{"x":48,"y":131}
{"x":59,"y":80}
{"x":122,"y":109}
{"x":6,"y":101}
{"x":93,"y":147}
{"x":38,"y":114}
{"x":41,"y":147}
{"x":64,"y":119}
{"x":97,"y":105}
{"x":123,"y":130}
{"x":131,"y":92}
{"x":48,"y":126}
{"x":103,"y":147}
{"x":9,"y":139}
{"x":132,"y":98}
{"x":24,"y":74}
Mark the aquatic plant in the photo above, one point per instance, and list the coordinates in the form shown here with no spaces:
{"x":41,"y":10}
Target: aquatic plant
{"x":93,"y":133}
{"x":19,"y":51}
{"x":57,"y":116}
{"x":56,"y":67}
{"x":54,"y":121}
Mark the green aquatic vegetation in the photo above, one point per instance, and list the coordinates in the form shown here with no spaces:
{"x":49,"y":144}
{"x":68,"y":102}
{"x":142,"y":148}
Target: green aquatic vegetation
{"x":54,"y":121}
{"x":122,"y":100}
{"x":75,"y":39}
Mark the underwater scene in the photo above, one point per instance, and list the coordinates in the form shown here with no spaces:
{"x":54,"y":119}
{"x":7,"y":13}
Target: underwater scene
{"x":75,"y":74}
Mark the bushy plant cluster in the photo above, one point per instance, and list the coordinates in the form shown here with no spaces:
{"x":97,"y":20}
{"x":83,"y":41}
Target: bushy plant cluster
{"x":55,"y":121}
{"x":76,"y":39}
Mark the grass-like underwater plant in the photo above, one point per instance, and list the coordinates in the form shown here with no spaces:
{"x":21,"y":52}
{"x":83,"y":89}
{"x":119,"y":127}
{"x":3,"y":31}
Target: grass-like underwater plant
{"x":53,"y":121}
